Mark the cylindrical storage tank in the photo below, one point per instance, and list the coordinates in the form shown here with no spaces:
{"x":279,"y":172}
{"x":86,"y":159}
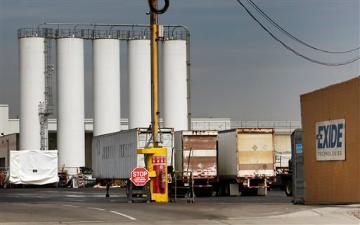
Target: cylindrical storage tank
{"x":32,"y":90}
{"x":106,"y":74}
{"x":139,"y":83}
{"x":70,"y":88}
{"x":175,"y":85}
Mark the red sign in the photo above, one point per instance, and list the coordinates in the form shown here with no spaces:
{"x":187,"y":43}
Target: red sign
{"x":139,"y":176}
{"x":159,"y":160}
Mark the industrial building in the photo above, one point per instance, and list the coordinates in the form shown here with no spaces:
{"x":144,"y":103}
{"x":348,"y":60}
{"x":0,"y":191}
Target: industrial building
{"x":10,"y":129}
{"x":331,"y":126}
{"x":70,"y":133}
{"x":73,"y":132}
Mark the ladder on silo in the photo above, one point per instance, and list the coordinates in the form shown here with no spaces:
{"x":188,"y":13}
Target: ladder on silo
{"x":43,"y":126}
{"x":46,"y":107}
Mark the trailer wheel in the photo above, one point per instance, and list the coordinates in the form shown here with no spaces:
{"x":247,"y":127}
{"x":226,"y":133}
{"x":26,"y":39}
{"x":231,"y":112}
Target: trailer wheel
{"x":288,"y":188}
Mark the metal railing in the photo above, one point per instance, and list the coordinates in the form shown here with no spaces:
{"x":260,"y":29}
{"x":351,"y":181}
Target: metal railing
{"x":102,"y":31}
{"x":229,"y":124}
{"x":286,"y":125}
{"x":210,"y":125}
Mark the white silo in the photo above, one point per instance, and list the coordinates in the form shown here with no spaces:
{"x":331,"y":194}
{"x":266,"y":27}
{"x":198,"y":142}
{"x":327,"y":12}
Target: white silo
{"x":175,"y":85}
{"x":70,"y":89}
{"x":106,"y":74}
{"x":139,"y":83}
{"x":32,"y":90}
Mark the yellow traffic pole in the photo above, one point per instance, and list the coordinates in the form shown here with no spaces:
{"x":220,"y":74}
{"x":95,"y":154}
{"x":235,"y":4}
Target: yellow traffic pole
{"x":156,"y":157}
{"x":154,"y":36}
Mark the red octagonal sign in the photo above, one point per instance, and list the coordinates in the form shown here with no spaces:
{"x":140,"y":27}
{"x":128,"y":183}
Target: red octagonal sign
{"x":139,"y":176}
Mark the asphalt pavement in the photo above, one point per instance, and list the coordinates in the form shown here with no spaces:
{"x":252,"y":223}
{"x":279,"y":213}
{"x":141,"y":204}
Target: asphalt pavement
{"x":89,"y":206}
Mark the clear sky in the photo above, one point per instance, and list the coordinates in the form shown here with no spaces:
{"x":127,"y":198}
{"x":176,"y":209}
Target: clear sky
{"x":238,"y":71}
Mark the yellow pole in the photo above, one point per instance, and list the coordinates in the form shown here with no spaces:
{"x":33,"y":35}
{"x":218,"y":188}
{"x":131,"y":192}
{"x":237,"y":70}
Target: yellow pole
{"x":156,"y":157}
{"x":154,"y":36}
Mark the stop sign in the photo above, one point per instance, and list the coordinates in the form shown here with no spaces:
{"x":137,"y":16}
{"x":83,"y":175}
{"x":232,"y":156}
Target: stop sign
{"x":139,"y":176}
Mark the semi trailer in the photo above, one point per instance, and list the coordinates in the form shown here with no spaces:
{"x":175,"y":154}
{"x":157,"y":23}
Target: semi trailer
{"x":245,"y":161}
{"x":114,"y":155}
{"x":195,"y":155}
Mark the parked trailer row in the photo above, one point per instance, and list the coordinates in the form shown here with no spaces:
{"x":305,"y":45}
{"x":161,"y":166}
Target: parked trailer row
{"x":229,"y":162}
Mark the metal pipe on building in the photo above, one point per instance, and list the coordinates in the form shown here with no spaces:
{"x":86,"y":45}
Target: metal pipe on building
{"x":139,"y":83}
{"x":106,"y":74}
{"x":32,"y":90}
{"x":175,"y":85}
{"x":70,"y":88}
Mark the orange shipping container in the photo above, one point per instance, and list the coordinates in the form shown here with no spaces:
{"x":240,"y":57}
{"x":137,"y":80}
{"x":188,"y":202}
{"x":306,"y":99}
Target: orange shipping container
{"x":331,"y":124}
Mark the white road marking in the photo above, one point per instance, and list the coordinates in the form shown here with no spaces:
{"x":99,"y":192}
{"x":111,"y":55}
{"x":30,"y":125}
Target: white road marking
{"x":74,"y":206}
{"x":100,"y":209}
{"x":124,"y":215}
{"x":75,"y":196}
{"x":84,"y":222}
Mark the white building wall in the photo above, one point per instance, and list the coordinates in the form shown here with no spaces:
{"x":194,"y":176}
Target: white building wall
{"x":14,"y":126}
{"x":4,"y":118}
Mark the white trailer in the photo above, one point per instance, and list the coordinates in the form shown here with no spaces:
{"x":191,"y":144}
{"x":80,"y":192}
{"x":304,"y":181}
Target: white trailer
{"x":114,"y":155}
{"x":245,"y":160}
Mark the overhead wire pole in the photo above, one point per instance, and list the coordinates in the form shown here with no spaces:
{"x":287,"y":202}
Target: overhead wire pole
{"x":156,"y":157}
{"x":154,"y":38}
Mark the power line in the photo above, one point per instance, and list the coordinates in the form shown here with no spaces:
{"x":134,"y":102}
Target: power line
{"x":292,"y":36}
{"x":291,"y":49}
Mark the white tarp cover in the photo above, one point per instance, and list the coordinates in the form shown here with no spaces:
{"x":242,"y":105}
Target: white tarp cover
{"x":34,"y":167}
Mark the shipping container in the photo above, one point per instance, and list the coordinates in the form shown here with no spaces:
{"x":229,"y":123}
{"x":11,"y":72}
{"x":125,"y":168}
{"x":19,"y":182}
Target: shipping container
{"x":331,"y":143}
{"x":114,"y":155}
{"x":297,"y":167}
{"x":282,"y":142}
{"x":195,"y":153}
{"x":245,"y":160}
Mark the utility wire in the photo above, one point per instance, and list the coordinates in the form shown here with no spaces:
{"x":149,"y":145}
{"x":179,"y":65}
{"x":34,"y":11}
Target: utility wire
{"x":291,"y":49}
{"x":292,"y":36}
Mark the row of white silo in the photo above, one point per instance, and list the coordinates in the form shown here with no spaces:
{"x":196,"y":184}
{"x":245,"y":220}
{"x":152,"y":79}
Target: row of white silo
{"x":175,"y":113}
{"x":106,"y":74}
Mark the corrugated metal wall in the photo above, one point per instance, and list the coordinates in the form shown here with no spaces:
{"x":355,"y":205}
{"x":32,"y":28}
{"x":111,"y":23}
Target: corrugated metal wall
{"x":114,"y":155}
